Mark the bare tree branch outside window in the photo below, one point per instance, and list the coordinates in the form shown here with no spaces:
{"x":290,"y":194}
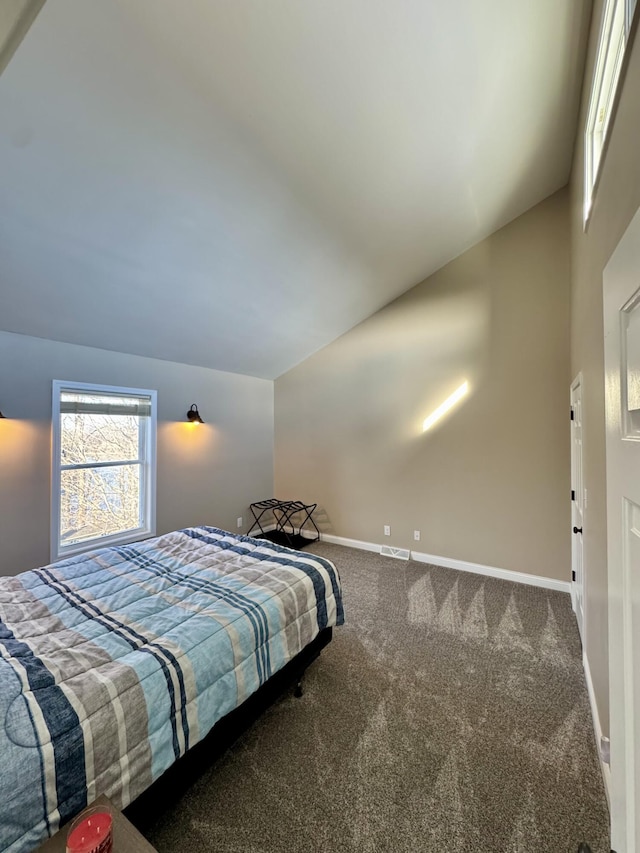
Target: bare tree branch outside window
{"x":99,"y":501}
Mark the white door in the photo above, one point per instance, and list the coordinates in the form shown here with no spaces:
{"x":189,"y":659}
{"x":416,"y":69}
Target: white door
{"x":622,"y":386}
{"x":577,"y":505}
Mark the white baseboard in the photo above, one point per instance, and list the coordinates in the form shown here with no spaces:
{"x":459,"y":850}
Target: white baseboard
{"x":597,"y":728}
{"x":350,"y":543}
{"x":492,"y":572}
{"x":460,"y":565}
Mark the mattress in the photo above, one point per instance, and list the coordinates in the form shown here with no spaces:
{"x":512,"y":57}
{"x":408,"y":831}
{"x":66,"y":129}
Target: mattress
{"x":115,"y":662}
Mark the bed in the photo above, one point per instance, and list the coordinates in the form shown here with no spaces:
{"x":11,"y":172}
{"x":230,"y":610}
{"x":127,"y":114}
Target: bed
{"x":115,"y":662}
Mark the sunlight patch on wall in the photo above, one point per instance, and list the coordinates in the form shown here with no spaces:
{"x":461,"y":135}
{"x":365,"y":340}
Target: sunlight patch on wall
{"x":443,"y":408}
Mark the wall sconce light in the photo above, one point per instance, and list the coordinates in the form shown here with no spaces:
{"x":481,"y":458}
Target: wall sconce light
{"x":193,"y":415}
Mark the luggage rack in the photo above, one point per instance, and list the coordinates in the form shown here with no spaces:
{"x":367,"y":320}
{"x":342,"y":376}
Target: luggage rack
{"x":295,"y":515}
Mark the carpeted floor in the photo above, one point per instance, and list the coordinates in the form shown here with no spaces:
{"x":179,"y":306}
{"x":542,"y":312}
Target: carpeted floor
{"x":450,"y":713}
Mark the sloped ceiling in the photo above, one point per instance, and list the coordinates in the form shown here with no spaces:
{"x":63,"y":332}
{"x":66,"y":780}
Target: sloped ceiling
{"x":235,"y":183}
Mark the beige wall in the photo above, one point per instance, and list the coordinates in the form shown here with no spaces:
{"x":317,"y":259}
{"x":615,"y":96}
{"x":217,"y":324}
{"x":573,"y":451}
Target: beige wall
{"x":205,"y":475}
{"x":617,"y":198}
{"x":490,"y":484}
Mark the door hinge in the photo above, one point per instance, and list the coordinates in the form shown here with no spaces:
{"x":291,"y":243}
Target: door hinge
{"x":573,"y":415}
{"x":573,"y":494}
{"x":573,"y":575}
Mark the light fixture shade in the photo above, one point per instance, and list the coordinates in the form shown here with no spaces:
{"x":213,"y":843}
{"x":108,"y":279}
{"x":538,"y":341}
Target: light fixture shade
{"x":193,"y":415}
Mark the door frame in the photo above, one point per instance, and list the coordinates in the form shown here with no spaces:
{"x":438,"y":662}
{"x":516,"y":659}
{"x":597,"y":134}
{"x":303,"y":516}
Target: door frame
{"x":578,"y":383}
{"x":620,"y":270}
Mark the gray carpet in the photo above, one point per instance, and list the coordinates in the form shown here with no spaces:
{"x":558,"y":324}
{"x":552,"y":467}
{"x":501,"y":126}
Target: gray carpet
{"x":449,"y":714}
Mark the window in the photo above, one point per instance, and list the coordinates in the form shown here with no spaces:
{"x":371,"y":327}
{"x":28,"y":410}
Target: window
{"x":103,"y":466}
{"x":614,"y":33}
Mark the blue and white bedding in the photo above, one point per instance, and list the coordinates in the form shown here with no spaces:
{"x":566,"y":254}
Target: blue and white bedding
{"x":115,"y":662}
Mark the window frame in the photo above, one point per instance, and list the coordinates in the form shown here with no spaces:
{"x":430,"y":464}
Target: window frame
{"x":147,"y":461}
{"x":609,"y":69}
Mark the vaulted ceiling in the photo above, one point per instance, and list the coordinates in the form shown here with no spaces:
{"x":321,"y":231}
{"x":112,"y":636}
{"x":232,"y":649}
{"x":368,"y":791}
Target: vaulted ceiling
{"x":235,"y":183}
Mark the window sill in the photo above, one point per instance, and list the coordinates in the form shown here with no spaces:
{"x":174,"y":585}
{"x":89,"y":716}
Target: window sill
{"x":104,"y":542}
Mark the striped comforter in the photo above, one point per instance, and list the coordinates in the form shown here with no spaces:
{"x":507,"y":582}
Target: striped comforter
{"x":115,"y":662}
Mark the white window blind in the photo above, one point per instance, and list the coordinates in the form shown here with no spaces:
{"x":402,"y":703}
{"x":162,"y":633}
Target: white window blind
{"x":104,"y":404}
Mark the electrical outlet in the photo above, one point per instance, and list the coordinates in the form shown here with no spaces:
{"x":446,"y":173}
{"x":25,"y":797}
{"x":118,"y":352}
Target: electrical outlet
{"x":387,"y":530}
{"x":239,"y":521}
{"x":416,"y":535}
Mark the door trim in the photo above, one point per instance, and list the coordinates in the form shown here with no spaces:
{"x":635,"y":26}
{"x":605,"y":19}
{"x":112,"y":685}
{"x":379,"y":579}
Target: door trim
{"x":578,"y":382}
{"x":597,"y":728}
{"x":619,"y":278}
